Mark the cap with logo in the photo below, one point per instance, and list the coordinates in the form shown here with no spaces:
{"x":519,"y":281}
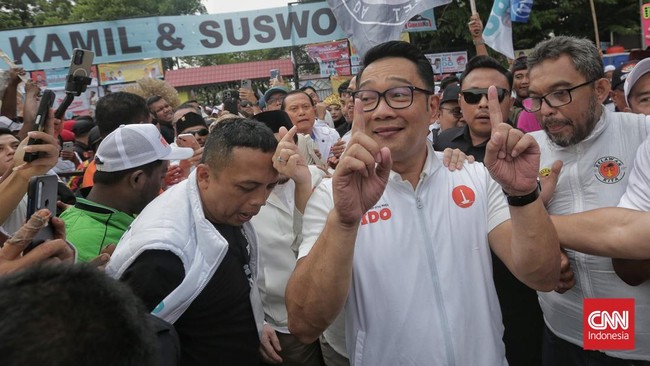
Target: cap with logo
{"x":641,"y":68}
{"x":131,"y":146}
{"x":189,"y":119}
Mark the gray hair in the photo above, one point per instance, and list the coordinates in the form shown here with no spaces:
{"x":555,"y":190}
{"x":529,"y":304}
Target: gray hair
{"x":582,"y":52}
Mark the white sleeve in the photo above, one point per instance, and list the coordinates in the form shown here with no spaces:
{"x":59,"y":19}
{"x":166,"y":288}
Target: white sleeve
{"x":637,"y":193}
{"x":318,"y":208}
{"x":498,"y":210}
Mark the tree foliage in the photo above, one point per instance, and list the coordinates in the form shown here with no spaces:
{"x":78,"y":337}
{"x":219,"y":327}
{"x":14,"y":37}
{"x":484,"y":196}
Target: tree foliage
{"x":560,"y":17}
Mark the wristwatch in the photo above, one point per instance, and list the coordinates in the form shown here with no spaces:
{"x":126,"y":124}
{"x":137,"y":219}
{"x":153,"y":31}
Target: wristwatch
{"x":519,"y":201}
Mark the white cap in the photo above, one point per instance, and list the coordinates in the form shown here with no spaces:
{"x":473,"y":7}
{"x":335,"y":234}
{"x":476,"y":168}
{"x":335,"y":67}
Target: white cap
{"x":132,"y":146}
{"x":642,"y":67}
{"x":609,"y":68}
{"x":11,"y":125}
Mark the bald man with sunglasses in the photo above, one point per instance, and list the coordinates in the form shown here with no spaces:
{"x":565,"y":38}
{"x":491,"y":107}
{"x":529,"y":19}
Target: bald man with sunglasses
{"x":479,"y":74}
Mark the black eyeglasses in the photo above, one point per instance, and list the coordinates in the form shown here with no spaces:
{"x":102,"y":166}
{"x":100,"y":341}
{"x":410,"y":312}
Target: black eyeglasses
{"x":455,"y":111}
{"x":474,"y":95}
{"x":554,"y":99}
{"x":397,"y":98}
{"x":202,"y":132}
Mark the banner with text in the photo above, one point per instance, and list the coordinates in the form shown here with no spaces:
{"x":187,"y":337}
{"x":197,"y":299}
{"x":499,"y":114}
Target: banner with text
{"x":124,"y":72}
{"x":448,"y":62}
{"x":55,"y":78}
{"x":172,"y":36}
{"x":332,"y":57}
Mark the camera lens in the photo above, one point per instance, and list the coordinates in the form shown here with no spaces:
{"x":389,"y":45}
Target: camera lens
{"x":78,"y":57}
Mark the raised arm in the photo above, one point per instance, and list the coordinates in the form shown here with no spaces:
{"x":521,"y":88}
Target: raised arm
{"x":528,"y":244}
{"x":321,"y":280}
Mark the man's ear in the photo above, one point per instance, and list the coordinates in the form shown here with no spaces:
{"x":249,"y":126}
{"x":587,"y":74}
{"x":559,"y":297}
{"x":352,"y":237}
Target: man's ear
{"x":602,"y":87}
{"x":203,"y":176}
{"x":434,"y":103}
{"x":137,"y":179}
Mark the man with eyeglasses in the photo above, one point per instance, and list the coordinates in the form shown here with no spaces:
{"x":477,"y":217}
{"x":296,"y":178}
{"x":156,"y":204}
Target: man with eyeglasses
{"x":479,"y":74}
{"x":404,"y":244}
{"x":597,"y":148}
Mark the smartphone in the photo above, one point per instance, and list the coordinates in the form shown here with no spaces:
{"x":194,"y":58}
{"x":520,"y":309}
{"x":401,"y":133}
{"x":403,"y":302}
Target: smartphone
{"x":247,"y":84}
{"x":68,"y":146}
{"x":47,"y":100}
{"x":231,"y":101}
{"x":41,"y":193}
{"x":187,"y":140}
{"x":82,"y":61}
{"x":275,"y":73}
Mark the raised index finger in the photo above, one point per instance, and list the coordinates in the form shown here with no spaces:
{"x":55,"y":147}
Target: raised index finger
{"x":496,"y":118}
{"x":288,"y":137}
{"x":358,"y":122}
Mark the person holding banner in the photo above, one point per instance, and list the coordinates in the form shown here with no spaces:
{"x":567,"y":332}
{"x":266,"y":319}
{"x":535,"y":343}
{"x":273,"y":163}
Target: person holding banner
{"x":429,"y":299}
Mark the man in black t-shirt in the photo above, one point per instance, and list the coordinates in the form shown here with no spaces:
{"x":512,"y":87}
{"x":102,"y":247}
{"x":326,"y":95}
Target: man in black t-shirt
{"x":191,"y":255}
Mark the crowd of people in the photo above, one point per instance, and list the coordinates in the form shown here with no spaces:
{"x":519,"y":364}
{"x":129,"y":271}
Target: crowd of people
{"x":352,"y":230}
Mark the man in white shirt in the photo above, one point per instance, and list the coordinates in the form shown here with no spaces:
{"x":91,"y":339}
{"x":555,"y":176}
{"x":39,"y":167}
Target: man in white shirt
{"x":405,"y":244}
{"x":566,"y":91}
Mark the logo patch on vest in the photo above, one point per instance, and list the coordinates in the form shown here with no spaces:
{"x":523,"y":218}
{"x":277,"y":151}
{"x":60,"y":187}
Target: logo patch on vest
{"x":609,"y":169}
{"x":463,"y":196}
{"x":544,"y":172}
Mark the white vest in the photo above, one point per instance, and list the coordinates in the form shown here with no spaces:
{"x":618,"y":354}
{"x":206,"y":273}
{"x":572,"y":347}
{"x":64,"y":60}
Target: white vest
{"x":594,"y":175}
{"x":175,"y":221}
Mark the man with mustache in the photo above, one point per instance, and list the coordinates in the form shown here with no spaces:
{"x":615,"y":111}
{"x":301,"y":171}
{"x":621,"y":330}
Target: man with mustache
{"x":597,"y":148}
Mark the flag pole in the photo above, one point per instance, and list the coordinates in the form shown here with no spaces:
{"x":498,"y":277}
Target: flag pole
{"x":472,"y":5}
{"x":593,"y":15}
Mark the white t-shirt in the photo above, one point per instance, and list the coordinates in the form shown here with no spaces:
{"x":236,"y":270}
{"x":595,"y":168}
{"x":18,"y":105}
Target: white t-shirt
{"x":422,"y":291}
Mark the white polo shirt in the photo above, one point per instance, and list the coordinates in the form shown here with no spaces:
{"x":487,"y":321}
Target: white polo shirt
{"x":422,"y":291}
{"x":594,"y":175}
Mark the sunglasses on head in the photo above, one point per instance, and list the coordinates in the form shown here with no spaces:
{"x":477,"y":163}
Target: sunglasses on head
{"x":201,"y":132}
{"x":474,"y":95}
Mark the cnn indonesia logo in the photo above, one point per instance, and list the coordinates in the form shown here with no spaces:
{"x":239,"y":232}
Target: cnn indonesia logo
{"x":608,"y":324}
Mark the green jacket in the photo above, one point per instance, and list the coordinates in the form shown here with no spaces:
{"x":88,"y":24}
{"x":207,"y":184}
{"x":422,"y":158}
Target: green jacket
{"x":91,"y":227}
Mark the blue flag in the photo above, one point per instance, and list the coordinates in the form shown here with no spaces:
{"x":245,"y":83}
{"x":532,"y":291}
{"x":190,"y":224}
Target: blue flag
{"x":371,"y":22}
{"x":520,"y":10}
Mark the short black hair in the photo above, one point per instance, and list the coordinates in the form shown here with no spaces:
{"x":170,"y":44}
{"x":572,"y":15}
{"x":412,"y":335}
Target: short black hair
{"x":520,"y":63}
{"x":485,"y":62}
{"x":153,"y":99}
{"x":294,"y":92}
{"x":236,"y":132}
{"x":343,"y":88}
{"x":405,"y":50}
{"x":119,"y":108}
{"x":452,"y":79}
{"x":304,"y":88}
{"x":112,"y":178}
{"x":72,"y":315}
{"x":5,"y":131}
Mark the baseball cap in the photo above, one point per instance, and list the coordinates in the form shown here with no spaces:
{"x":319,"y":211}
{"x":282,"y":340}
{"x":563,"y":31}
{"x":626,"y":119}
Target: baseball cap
{"x":641,"y":68}
{"x":11,"y":125}
{"x":273,"y":90}
{"x":189,"y":119}
{"x":609,"y":68}
{"x":450,"y":94}
{"x":621,"y":73}
{"x":131,"y":146}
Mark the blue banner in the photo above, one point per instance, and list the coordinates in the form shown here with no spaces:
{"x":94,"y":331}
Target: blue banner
{"x":176,"y":36}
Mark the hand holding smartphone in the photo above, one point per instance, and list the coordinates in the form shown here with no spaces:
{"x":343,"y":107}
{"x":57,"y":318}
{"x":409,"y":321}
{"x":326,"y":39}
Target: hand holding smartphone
{"x":187,"y":140}
{"x":47,"y":100}
{"x":246,"y":84}
{"x":41,"y":193}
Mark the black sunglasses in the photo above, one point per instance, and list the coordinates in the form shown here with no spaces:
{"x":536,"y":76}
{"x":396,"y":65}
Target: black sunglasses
{"x":474,"y":95}
{"x":201,"y":132}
